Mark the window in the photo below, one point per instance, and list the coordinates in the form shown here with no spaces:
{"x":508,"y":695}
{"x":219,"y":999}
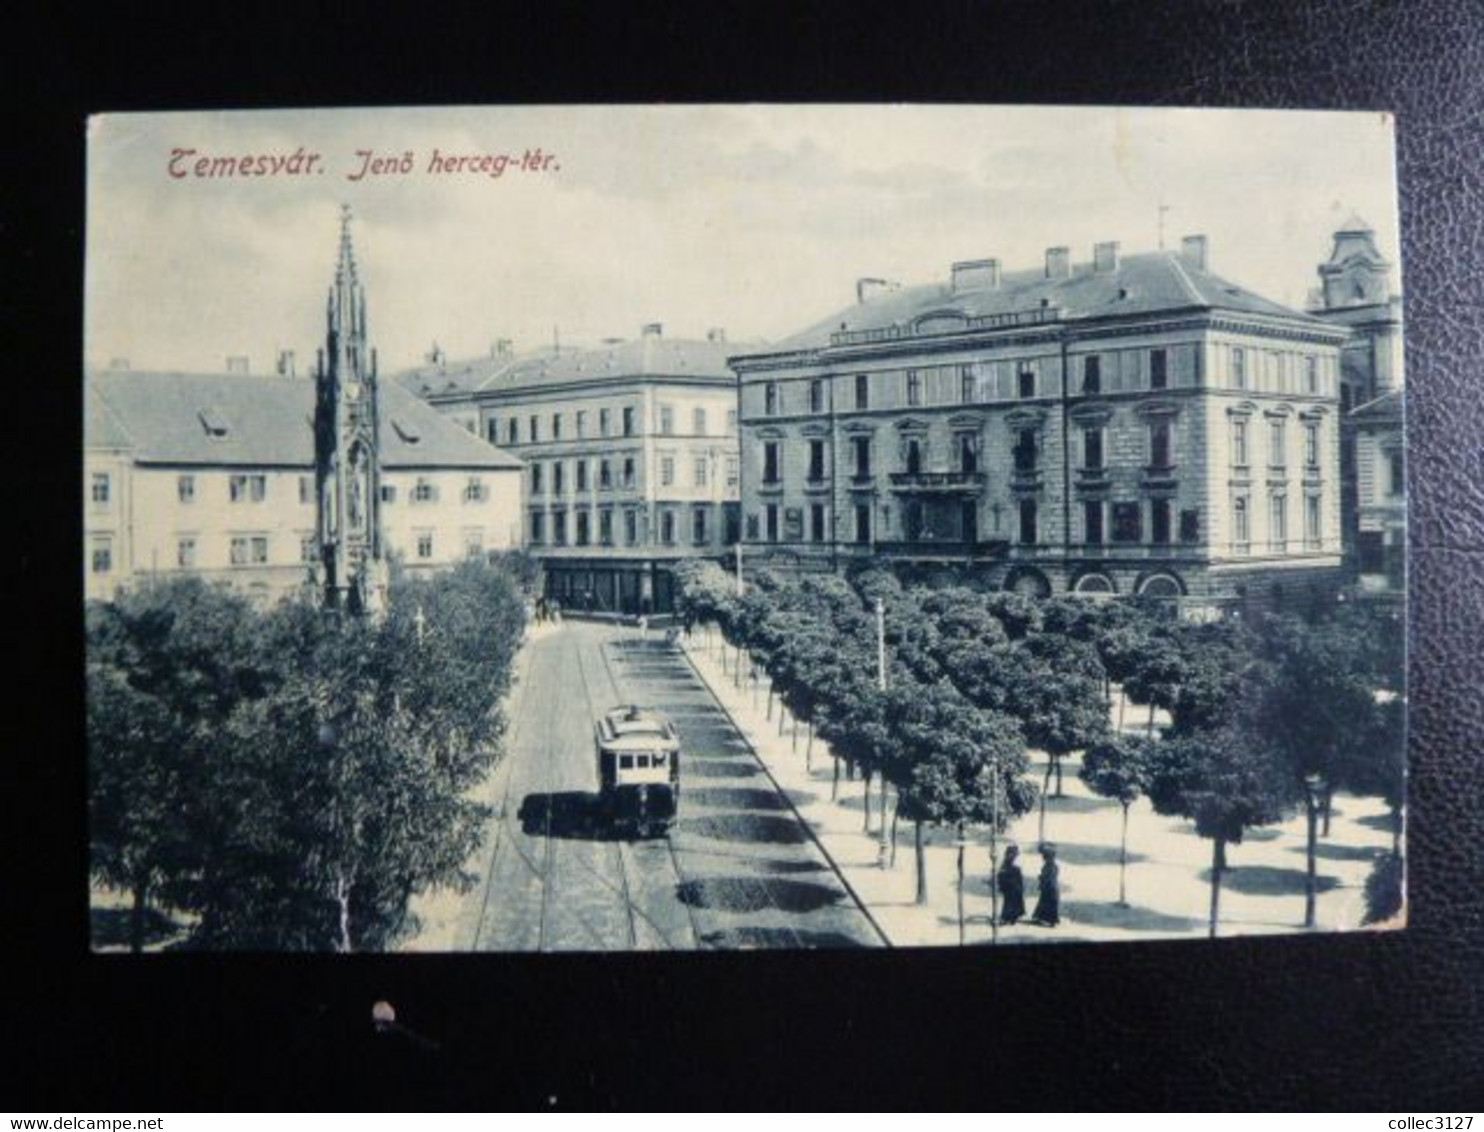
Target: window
{"x":535,"y":430}
{"x":102,"y":557}
{"x":1398,"y":468}
{"x":631,"y":527}
{"x":862,"y":391}
{"x":698,"y":421}
{"x":816,"y":395}
{"x":1159,"y":521}
{"x":816,"y":522}
{"x":1277,"y":443}
{"x":816,"y":461}
{"x":699,"y":472}
{"x":731,"y":422}
{"x":1239,"y":442}
{"x":100,"y":488}
{"x":628,"y":471}
{"x":425,"y":545}
{"x":581,"y":475}
{"x":185,"y":488}
{"x":667,"y":470}
{"x":388,"y":493}
{"x":667,"y":527}
{"x":734,"y":471}
{"x":514,"y":430}
{"x":1025,"y":450}
{"x":1239,"y":368}
{"x":770,"y":398}
{"x":474,"y":542}
{"x":475,"y":490}
{"x":1158,"y":369}
{"x":605,"y":422}
{"x":1128,"y":522}
{"x":698,"y":525}
{"x":1241,"y":525}
{"x":538,"y":527}
{"x":583,"y":523}
{"x":185,"y":551}
{"x":1278,"y":524}
{"x":667,"y":421}
{"x":536,"y":479}
{"x":1028,"y":522}
{"x":1092,"y":521}
{"x":492,"y":430}
{"x":770,"y":462}
{"x":628,"y":420}
{"x":248,"y":550}
{"x":1311,"y":375}
{"x":556,"y":426}
{"x":559,"y":528}
{"x":862,"y":447}
{"x":1190,"y":525}
{"x":581,"y":423}
{"x":1092,"y":374}
{"x":424,"y":491}
{"x":862,"y":522}
{"x":306,"y":489}
{"x":912,"y":456}
{"x":308,"y":550}
{"x":966,"y":384}
{"x":1311,"y":444}
{"x":914,"y":388}
{"x":1027,"y":380}
{"x":1311,"y":520}
{"x":558,"y":477}
{"x":605,"y":527}
{"x":968,"y":452}
{"x":246,"y":488}
{"x":605,"y":475}
{"x":1159,"y":445}
{"x":1092,"y":449}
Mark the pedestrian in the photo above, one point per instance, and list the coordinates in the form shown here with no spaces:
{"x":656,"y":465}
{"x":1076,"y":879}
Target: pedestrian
{"x":556,"y":612}
{"x":1012,"y":887}
{"x":1048,"y":899}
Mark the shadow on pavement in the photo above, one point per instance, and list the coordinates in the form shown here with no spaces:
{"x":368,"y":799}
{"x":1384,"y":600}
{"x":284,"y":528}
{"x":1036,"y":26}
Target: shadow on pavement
{"x":1264,"y":880}
{"x":736,"y":798}
{"x":574,"y":816}
{"x":750,"y":938}
{"x":754,"y":894}
{"x":1073,"y":854}
{"x":1382,"y":823}
{"x":703,"y":766}
{"x":1133,"y":919}
{"x":757,"y":828}
{"x":1327,"y":852}
{"x":1074,"y":804}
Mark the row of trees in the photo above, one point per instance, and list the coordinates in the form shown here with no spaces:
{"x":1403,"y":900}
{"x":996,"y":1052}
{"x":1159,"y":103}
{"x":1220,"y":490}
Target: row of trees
{"x":1266,"y":714}
{"x":289,"y":778}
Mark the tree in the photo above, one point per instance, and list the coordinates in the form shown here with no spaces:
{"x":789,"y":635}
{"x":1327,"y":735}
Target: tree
{"x":1119,"y":768}
{"x":1226,"y":783}
{"x":1157,"y":674}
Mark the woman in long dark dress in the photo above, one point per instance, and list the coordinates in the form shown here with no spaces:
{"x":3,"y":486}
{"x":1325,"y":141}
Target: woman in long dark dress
{"x":1012,"y":887}
{"x":1048,"y":900}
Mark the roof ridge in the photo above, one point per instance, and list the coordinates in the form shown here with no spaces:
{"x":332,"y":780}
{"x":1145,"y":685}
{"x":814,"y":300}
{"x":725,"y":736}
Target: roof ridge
{"x":1191,"y":290}
{"x":113,"y":414}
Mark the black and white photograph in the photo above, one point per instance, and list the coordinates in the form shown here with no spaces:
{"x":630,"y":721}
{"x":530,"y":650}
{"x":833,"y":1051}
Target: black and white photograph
{"x":733,"y":527}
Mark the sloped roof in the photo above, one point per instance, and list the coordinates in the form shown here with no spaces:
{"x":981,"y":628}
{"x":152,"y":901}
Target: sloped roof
{"x":169,"y":418}
{"x":1384,"y":409}
{"x":651,"y":356}
{"x":1141,"y":284}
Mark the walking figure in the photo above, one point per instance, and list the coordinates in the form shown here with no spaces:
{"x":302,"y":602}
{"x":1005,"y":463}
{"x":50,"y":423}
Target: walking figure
{"x":1048,"y":901}
{"x":1012,"y":887}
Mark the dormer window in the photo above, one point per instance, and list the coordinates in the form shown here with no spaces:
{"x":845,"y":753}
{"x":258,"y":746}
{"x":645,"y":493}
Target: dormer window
{"x":213,"y":422}
{"x":406,"y":432}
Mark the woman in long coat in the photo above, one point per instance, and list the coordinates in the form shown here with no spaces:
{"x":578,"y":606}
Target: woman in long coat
{"x":1048,"y":901}
{"x":1012,"y":887}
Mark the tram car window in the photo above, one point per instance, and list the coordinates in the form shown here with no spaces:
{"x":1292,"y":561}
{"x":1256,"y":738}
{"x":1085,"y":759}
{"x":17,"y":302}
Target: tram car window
{"x":638,"y":752}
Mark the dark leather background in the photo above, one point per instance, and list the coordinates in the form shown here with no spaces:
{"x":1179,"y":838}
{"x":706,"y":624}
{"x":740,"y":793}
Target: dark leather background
{"x":1369,"y":1021}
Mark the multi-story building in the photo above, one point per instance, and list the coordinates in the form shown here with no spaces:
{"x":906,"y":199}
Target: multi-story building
{"x":631,"y":457}
{"x":1356,"y":292}
{"x":1136,"y":424}
{"x":214,"y":474}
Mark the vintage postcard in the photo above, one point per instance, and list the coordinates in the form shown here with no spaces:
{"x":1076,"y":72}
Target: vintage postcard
{"x":727,"y":527}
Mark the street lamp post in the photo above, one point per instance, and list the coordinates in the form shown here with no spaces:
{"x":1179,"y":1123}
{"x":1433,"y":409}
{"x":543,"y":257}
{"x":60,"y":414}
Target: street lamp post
{"x":994,"y":852}
{"x":882,"y":849}
{"x":1314,"y":797}
{"x":961,"y":843}
{"x":738,"y":551}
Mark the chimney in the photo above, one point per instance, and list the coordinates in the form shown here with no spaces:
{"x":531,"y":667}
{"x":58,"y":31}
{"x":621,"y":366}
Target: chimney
{"x":1058,"y":263}
{"x":118,"y":363}
{"x":286,"y":363}
{"x":716,"y":334}
{"x":237,"y":363}
{"x":502,"y":348}
{"x":1193,"y":251}
{"x":1105,"y":256}
{"x":870,"y":287}
{"x":971,"y":274}
{"x":652,"y":330}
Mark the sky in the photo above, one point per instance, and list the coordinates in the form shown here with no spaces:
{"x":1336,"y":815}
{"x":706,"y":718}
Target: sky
{"x":754,"y":219}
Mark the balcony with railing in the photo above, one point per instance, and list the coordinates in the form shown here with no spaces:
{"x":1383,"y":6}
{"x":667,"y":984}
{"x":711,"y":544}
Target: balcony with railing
{"x":954,"y":483}
{"x":925,"y":547}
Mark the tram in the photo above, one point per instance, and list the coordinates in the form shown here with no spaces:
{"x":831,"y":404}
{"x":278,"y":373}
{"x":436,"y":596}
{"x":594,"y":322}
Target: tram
{"x":638,"y":769}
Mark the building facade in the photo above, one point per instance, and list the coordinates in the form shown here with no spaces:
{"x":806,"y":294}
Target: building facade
{"x":215,"y":475}
{"x":630,"y":452}
{"x":1132,"y":425}
{"x":1357,"y":292}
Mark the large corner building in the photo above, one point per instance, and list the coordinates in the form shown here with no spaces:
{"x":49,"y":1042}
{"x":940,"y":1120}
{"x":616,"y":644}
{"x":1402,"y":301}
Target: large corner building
{"x":1134,"y":424}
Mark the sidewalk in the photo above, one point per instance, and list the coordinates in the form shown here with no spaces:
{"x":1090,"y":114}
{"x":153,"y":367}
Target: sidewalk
{"x":1168,"y":879}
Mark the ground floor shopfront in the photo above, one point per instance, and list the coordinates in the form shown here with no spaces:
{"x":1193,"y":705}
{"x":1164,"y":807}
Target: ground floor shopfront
{"x":627,"y":587}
